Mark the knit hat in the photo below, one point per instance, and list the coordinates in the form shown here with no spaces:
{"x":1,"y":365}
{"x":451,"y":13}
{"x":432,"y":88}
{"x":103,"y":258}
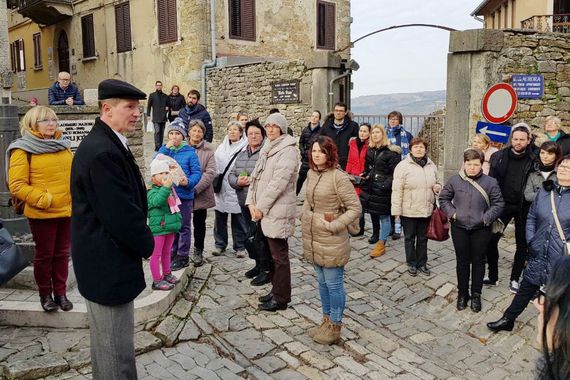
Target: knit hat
{"x":277,"y":119}
{"x":177,"y":125}
{"x":159,"y":166}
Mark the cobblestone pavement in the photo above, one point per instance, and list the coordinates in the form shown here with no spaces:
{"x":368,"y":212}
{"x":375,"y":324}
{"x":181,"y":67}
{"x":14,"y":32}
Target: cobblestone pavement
{"x":395,"y":326}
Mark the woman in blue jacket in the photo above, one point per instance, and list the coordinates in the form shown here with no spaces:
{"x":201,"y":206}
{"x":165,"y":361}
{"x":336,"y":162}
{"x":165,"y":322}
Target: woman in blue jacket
{"x":471,"y":213}
{"x":186,"y":157}
{"x":545,"y":242}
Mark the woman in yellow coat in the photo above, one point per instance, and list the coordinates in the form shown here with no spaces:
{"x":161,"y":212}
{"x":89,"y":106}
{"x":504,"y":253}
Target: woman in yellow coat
{"x":39,"y":169}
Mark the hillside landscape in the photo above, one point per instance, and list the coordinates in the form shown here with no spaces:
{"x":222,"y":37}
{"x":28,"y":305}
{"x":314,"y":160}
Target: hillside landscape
{"x":416,"y":103}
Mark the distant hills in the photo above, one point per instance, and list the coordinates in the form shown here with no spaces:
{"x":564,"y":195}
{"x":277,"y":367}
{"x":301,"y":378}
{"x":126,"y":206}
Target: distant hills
{"x":415,"y":103}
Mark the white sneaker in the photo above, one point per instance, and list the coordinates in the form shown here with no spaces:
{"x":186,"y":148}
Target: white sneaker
{"x":217,"y":251}
{"x":514,"y":286}
{"x":241,"y":253}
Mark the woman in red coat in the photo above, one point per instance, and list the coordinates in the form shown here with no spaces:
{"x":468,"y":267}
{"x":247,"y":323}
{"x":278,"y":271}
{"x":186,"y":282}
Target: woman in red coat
{"x":357,"y":148}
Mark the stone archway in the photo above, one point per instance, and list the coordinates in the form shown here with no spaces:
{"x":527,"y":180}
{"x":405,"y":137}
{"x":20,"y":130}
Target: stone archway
{"x":63,"y":52}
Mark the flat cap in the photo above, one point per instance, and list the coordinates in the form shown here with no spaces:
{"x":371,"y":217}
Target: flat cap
{"x":114,"y":88}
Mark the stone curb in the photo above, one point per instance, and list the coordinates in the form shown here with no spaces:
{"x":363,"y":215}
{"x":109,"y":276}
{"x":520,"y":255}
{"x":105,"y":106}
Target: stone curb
{"x":30,"y":314}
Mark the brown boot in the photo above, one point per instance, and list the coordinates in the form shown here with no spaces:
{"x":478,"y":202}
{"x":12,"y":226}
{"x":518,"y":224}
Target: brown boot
{"x":315,"y":330}
{"x":379,"y":249}
{"x":329,"y":334}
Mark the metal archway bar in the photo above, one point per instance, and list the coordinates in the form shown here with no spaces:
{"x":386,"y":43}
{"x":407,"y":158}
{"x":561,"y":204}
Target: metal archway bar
{"x":395,"y":27}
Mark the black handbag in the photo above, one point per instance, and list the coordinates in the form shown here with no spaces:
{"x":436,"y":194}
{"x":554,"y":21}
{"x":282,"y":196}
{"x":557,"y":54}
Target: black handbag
{"x":256,"y":242}
{"x":219,"y":178}
{"x":12,"y":260}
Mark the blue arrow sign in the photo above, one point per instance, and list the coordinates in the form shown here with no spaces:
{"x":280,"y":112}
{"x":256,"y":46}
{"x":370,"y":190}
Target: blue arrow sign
{"x":496,"y":132}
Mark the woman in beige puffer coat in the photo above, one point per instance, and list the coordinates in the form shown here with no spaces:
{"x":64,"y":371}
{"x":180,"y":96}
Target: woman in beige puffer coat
{"x":331,"y":204}
{"x":414,"y":190}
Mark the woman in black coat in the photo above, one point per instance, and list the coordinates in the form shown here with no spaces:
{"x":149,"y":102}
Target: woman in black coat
{"x":471,"y":213}
{"x":376,"y":194}
{"x":175,"y":103}
{"x":545,"y":242}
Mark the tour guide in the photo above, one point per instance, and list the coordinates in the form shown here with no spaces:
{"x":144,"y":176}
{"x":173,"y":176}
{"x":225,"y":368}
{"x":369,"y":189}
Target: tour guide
{"x":109,"y":234}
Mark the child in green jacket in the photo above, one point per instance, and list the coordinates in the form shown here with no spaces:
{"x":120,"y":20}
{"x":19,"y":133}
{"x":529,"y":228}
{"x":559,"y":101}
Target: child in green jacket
{"x":164,"y":220}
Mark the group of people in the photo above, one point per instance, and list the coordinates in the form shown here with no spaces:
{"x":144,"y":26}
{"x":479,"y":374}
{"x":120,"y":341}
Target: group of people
{"x":97,"y":202}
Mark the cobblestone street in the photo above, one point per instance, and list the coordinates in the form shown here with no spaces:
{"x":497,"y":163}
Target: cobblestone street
{"x":395,"y":326}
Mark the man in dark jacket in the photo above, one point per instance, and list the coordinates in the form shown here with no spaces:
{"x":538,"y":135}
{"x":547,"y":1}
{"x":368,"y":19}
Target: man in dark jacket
{"x":340,"y":129}
{"x":308,"y":133}
{"x":63,"y":92}
{"x":194,"y":110}
{"x":109,"y":234}
{"x":158,"y":102}
{"x":510,"y":167}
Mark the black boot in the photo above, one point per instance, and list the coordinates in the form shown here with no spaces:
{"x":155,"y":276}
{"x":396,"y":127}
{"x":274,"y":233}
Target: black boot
{"x":198,"y":257}
{"x":179,"y":262}
{"x":261,"y":279}
{"x":462,"y":301}
{"x":502,"y":324}
{"x":252,"y":272}
{"x":48,"y":303}
{"x":63,"y":303}
{"x":476,"y":302}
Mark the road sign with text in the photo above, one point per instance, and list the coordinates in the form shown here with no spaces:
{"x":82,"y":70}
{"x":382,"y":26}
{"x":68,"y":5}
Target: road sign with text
{"x":496,"y":132}
{"x":529,"y":86}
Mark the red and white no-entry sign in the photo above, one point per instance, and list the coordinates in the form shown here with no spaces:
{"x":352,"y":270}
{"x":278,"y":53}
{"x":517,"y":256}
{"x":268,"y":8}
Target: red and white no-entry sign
{"x":499,"y":103}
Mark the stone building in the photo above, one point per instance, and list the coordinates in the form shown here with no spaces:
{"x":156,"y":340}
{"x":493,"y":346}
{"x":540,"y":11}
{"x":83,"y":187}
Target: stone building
{"x":480,"y":58}
{"x":288,"y":43}
{"x":540,"y":15}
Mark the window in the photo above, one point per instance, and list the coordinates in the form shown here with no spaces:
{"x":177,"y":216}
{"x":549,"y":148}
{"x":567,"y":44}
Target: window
{"x":242,"y":19}
{"x":37,"y":51}
{"x":326,"y":25}
{"x":123,"y":27}
{"x":17,"y":56}
{"x":88,"y":36}
{"x":167,"y":23}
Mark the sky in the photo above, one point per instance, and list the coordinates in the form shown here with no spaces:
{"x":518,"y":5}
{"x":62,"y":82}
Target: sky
{"x":408,"y":59}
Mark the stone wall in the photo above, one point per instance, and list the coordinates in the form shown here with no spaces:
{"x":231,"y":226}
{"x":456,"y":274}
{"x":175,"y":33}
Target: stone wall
{"x":248,"y":88}
{"x":480,"y":58}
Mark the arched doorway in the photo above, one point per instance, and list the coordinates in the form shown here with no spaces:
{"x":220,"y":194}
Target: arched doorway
{"x":63,"y":52}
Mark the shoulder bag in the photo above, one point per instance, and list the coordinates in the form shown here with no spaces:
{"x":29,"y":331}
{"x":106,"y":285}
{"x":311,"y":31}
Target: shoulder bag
{"x":497,"y":227}
{"x":354,"y":227}
{"x":219,"y":178}
{"x":438,"y":226}
{"x":558,"y":225}
{"x":12,"y":259}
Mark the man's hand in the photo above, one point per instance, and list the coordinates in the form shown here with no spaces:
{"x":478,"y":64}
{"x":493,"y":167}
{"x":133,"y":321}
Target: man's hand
{"x":243,"y":181}
{"x":69,"y":101}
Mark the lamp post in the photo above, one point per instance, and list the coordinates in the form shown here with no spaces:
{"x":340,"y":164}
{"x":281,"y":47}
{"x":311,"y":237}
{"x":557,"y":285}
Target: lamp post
{"x":8,"y":112}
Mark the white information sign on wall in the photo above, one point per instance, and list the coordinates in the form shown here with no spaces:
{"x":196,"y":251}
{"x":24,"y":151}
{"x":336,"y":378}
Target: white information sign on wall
{"x":75,"y":130}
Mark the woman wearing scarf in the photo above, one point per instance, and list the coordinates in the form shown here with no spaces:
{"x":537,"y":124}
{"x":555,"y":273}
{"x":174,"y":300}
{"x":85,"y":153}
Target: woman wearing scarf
{"x":549,"y":154}
{"x":39,"y":170}
{"x":175,"y":103}
{"x":397,"y":135}
{"x":414,"y":190}
{"x":357,"y":148}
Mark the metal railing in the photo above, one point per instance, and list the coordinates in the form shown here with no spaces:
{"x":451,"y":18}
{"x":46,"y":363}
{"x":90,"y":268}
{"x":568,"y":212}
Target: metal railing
{"x":559,"y":23}
{"x":413,"y":123}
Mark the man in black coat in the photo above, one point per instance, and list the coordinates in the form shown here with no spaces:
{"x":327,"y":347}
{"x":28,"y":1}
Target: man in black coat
{"x":109,"y":234}
{"x":194,"y":110}
{"x":340,"y":129}
{"x":158,"y":101}
{"x":510,"y":166}
{"x":310,"y":132}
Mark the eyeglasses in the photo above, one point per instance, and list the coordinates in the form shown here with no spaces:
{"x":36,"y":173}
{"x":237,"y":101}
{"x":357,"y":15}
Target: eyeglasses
{"x":48,"y":121}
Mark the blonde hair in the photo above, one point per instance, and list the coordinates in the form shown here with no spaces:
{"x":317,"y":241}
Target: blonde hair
{"x":482,"y":138}
{"x":30,"y":120}
{"x":383,"y":139}
{"x":554,"y":119}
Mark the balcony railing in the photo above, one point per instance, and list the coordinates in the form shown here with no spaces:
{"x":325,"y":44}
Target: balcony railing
{"x":559,"y":23}
{"x":46,"y":12}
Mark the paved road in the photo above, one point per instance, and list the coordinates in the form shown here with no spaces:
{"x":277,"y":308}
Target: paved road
{"x":395,"y":326}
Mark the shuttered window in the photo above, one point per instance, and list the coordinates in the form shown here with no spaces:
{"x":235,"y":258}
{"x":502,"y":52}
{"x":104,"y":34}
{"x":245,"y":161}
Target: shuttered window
{"x":326,"y":25}
{"x":88,"y":36}
{"x":242,"y":19}
{"x":123,"y":27}
{"x":167,"y":21}
{"x":17,"y":56}
{"x":37,"y":51}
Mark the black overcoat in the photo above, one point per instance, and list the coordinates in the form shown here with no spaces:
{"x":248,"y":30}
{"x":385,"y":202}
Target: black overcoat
{"x":376,"y":192}
{"x":109,"y":232}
